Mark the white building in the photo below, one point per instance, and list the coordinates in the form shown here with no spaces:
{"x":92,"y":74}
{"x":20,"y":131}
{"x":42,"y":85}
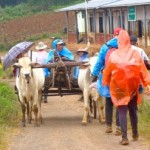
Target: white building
{"x":98,"y":18}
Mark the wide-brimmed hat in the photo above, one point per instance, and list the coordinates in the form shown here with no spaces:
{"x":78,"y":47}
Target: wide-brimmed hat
{"x":82,"y":50}
{"x":40,"y":45}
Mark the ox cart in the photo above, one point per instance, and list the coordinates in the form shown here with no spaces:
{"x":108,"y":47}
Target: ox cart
{"x":61,"y":80}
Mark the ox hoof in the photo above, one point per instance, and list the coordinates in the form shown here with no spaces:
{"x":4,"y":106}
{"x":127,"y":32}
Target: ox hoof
{"x":84,"y":123}
{"x":45,"y":100}
{"x":102,"y":121}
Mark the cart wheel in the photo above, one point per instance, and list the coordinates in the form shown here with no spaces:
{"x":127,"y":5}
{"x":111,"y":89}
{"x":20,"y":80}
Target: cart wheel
{"x":68,"y":81}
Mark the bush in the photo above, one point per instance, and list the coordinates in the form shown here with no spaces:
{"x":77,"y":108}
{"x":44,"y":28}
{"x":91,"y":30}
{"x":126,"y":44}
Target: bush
{"x":33,"y":7}
{"x":8,"y":105}
{"x":2,"y":73}
{"x":9,"y":113}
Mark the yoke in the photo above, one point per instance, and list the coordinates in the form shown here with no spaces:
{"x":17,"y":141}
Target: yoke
{"x":61,"y":80}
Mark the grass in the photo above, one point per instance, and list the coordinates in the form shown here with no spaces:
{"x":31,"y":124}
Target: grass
{"x":2,"y":73}
{"x":144,"y":119}
{"x":8,"y":73}
{"x":9,"y":113}
{"x":4,"y":47}
{"x":44,"y":36}
{"x":27,"y":9}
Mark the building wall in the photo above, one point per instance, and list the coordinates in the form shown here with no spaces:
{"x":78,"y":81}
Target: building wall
{"x":148,"y":12}
{"x":126,"y":19}
{"x":81,"y":22}
{"x":115,"y":20}
{"x":133,"y":27}
{"x":139,"y":13}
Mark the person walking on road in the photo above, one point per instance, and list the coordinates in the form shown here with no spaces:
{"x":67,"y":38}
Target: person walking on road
{"x":104,"y":90}
{"x":124,"y":73}
{"x":134,"y":45}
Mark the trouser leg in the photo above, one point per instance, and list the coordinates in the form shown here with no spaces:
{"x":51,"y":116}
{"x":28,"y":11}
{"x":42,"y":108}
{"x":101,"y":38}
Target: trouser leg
{"x":123,"y":120}
{"x":117,"y":118}
{"x":132,"y":106}
{"x":109,"y":111}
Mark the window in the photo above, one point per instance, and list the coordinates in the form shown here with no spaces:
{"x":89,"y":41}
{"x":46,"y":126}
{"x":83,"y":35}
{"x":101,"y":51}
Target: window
{"x":111,"y":26}
{"x":101,"y":30}
{"x":91,"y":23}
{"x":123,"y":20}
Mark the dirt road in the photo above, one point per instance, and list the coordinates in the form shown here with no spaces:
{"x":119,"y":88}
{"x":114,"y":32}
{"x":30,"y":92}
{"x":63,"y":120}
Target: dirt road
{"x":62,"y":130}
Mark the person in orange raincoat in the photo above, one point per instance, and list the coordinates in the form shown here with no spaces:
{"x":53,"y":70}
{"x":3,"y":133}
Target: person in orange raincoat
{"x":124,"y":73}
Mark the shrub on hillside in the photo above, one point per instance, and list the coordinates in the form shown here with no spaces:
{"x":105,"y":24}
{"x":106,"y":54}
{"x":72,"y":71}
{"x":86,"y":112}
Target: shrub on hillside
{"x":30,"y":7}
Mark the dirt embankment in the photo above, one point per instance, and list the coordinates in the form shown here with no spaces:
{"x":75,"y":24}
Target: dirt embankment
{"x":21,"y":28}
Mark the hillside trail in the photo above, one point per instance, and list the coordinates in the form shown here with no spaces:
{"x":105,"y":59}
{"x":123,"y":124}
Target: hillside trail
{"x":62,"y":130}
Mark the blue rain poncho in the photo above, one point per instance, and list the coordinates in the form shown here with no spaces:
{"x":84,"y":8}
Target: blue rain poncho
{"x":100,"y":65}
{"x":63,"y":53}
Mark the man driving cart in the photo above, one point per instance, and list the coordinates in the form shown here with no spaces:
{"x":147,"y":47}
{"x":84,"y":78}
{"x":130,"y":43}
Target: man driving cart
{"x":58,"y":53}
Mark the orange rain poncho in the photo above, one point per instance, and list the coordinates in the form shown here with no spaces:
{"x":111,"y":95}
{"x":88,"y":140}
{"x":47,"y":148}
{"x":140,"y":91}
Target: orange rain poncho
{"x":124,"y":72}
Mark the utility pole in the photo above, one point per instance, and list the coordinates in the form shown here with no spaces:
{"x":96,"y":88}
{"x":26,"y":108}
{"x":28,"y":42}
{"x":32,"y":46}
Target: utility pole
{"x":87,"y":25}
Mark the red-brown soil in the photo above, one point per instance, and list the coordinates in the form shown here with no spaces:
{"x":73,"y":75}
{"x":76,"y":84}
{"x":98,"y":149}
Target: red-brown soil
{"x":21,"y":28}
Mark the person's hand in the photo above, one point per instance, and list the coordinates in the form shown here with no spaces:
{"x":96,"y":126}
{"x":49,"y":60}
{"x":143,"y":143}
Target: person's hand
{"x":93,"y":85}
{"x":94,"y":78}
{"x":147,"y":90}
{"x":64,"y":58}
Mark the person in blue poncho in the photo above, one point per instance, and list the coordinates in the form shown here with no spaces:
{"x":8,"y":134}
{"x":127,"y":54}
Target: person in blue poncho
{"x":59,"y":48}
{"x":104,"y":91}
{"x":83,"y":55}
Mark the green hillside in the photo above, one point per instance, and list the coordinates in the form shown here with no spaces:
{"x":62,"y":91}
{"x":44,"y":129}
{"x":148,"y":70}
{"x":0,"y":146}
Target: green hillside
{"x":11,"y":9}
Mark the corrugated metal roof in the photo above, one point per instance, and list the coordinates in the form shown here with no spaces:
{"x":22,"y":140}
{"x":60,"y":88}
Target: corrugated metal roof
{"x":95,"y":4}
{"x":90,"y":5}
{"x":126,"y":3}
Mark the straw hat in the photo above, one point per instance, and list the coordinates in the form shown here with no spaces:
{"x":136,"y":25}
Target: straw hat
{"x":83,"y":50}
{"x":40,"y":45}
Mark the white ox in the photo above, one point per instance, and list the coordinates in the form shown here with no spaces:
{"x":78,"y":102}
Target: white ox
{"x":29,"y":84}
{"x":84,"y":82}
